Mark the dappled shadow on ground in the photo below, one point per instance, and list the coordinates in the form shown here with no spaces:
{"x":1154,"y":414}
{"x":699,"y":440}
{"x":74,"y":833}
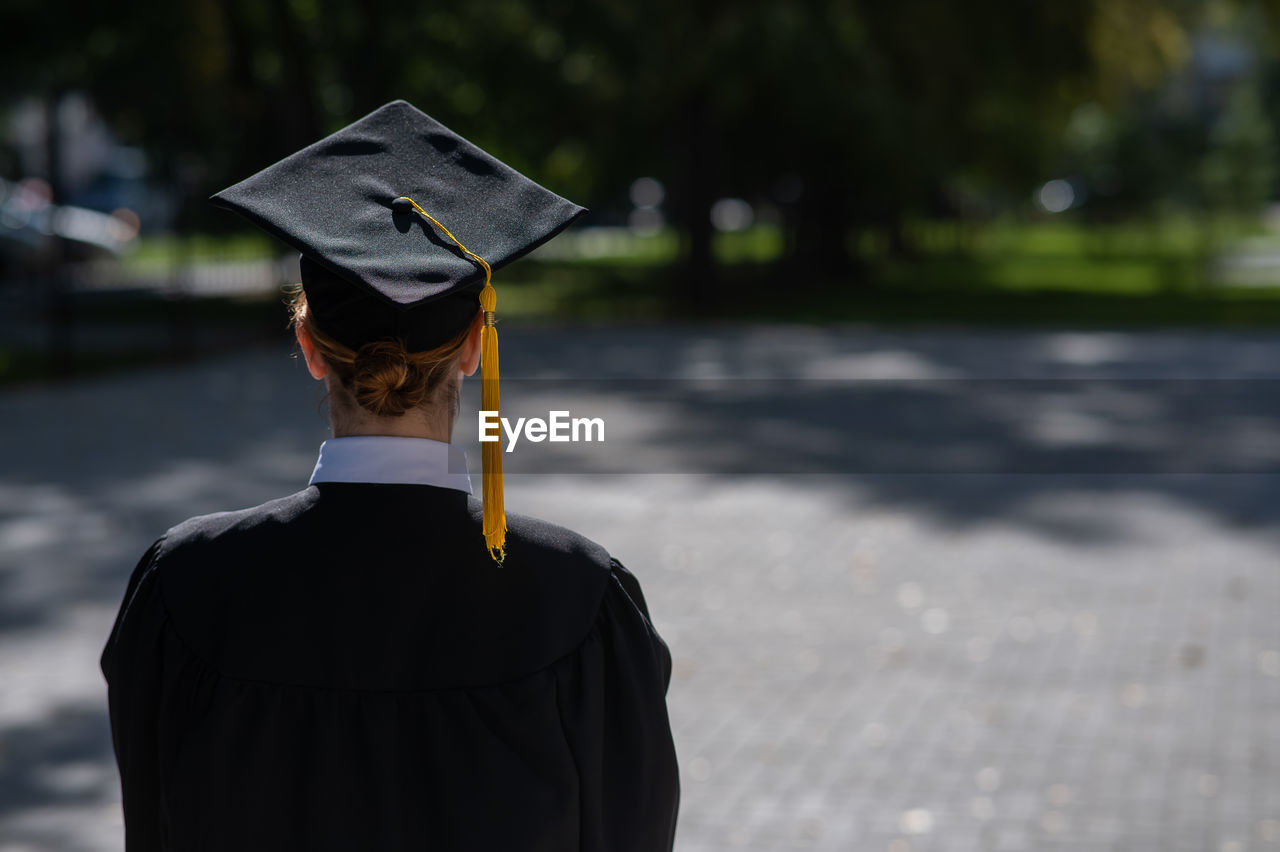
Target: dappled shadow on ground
{"x":93,"y":471}
{"x":958,"y":428}
{"x":963,"y":426}
{"x":888,"y":426}
{"x":58,"y":783}
{"x":56,"y":761}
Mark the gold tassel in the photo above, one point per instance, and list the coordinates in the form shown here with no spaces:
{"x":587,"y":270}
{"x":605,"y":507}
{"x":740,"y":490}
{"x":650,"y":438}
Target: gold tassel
{"x":495,"y":516}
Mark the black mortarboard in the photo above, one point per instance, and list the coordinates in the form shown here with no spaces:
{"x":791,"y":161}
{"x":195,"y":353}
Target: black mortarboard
{"x":373,"y":268}
{"x":400,"y":222}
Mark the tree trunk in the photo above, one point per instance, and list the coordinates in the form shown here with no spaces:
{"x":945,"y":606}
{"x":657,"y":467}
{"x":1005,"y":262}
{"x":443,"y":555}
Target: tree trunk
{"x":699,"y":179}
{"x":821,"y":223}
{"x":60,"y":338}
{"x":297,"y":113}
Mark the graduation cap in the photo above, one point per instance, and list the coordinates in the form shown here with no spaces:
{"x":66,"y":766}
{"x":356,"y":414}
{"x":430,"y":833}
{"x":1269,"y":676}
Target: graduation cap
{"x":400,"y":222}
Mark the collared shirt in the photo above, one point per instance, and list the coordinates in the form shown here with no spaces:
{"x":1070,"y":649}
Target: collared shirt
{"x":392,"y":461}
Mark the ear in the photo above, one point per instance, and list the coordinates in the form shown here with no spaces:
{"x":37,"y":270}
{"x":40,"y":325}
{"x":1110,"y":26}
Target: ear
{"x":469,"y":360}
{"x":316,"y":365}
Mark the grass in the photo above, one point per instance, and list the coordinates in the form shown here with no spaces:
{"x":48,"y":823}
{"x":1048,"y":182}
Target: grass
{"x":593,"y":291}
{"x":1012,"y":273}
{"x":145,"y":329}
{"x":153,"y":252}
{"x":1047,"y":274}
{"x":22,"y":365}
{"x":980,"y":306}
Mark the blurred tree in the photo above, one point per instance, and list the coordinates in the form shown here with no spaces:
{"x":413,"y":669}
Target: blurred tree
{"x":1239,"y":170}
{"x":1197,"y":139}
{"x":850,"y":117}
{"x":853,"y":116}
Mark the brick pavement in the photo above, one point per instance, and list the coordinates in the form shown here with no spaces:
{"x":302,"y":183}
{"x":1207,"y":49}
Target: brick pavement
{"x":878,"y":662}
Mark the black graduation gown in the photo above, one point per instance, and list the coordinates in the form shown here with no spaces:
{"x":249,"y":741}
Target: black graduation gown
{"x":347,"y":669}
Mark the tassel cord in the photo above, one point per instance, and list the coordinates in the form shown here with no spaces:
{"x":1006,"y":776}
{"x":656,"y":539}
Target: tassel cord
{"x":495,"y":518}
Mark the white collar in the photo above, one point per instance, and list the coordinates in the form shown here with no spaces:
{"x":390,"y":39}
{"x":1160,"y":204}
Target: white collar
{"x":392,"y":461}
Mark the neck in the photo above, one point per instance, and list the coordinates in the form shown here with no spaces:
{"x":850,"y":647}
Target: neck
{"x":390,"y":427}
{"x":412,"y":424}
{"x":347,"y":420}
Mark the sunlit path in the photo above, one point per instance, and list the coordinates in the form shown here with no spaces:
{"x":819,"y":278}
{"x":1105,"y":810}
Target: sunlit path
{"x":955,"y":659}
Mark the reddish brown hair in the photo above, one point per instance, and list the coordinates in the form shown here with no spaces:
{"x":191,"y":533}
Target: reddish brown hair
{"x":382,"y":377}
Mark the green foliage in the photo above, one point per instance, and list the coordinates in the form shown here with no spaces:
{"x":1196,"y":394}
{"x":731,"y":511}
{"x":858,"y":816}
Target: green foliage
{"x":849,"y":119}
{"x":1239,"y":170}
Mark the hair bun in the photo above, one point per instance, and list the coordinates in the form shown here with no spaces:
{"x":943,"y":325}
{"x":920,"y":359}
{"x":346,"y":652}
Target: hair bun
{"x":385,"y":380}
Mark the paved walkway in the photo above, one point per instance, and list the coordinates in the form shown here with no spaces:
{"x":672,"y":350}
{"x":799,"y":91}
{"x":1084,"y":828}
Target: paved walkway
{"x":1030,"y":604}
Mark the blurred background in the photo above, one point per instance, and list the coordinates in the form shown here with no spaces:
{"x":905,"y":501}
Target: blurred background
{"x":992,"y":161}
{"x":938,"y":343}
